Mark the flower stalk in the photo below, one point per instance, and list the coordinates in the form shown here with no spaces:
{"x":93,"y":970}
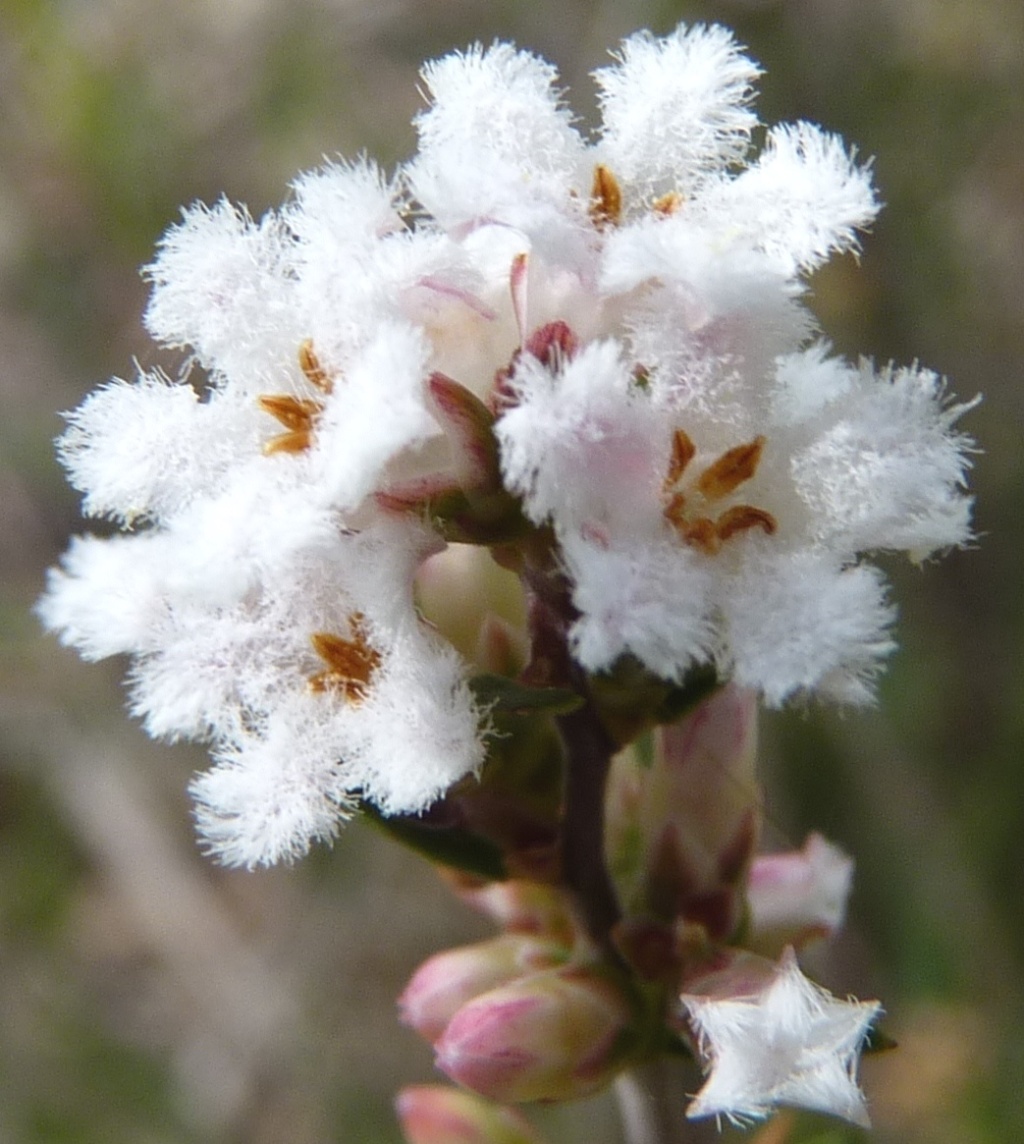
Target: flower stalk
{"x":588,"y":755}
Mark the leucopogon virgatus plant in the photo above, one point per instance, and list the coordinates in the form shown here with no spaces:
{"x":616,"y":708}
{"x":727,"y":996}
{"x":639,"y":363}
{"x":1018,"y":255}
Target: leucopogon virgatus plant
{"x":492,"y":499}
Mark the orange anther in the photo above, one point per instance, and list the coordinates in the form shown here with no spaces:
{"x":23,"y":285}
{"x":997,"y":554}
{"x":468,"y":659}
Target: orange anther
{"x":683,"y":452}
{"x":292,"y":412}
{"x":310,"y":365}
{"x":605,"y":199}
{"x":701,"y":533}
{"x":731,"y":469}
{"x":719,"y":479}
{"x":350,"y":662}
{"x":296,"y":442}
{"x":741,"y":517}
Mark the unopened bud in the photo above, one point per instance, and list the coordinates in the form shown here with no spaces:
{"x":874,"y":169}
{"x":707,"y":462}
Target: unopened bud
{"x":432,"y":1114}
{"x":446,"y":981}
{"x":797,"y":896}
{"x":469,"y":426}
{"x":556,"y":1035}
{"x":681,"y":831}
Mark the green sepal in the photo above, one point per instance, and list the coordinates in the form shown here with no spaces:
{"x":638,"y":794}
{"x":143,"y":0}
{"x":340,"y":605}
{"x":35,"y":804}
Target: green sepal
{"x":447,"y":845}
{"x":496,"y":823}
{"x":459,"y":515}
{"x":499,"y":695}
{"x":681,"y":698}
{"x":632,"y":700}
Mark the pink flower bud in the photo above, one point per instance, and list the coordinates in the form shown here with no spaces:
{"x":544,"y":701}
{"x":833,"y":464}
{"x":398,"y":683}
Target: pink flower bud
{"x":681,"y":831}
{"x":432,"y":1114}
{"x":798,"y":896}
{"x":446,"y":981}
{"x":556,"y":1035}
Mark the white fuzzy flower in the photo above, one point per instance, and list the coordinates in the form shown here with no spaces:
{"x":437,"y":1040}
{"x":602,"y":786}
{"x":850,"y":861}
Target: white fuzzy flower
{"x":676,"y":109}
{"x":780,"y":1041}
{"x":217,"y":291}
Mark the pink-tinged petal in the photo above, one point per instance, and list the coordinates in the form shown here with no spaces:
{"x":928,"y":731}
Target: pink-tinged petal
{"x":466,"y":297}
{"x":448,"y":980}
{"x":799,"y":895}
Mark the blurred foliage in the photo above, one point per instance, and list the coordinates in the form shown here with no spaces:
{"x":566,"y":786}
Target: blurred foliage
{"x":145,"y":996}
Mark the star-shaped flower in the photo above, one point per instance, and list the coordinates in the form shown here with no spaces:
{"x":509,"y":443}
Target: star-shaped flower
{"x":791,"y":1042}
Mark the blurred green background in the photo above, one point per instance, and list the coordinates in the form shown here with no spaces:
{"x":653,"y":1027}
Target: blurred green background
{"x":148,"y":997}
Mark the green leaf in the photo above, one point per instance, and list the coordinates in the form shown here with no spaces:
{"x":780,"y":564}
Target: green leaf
{"x":447,"y":845}
{"x":503,"y":696}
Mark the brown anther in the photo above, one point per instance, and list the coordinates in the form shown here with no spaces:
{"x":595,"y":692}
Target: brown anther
{"x":297,"y":442}
{"x":297,"y":414}
{"x":741,"y":517}
{"x":683,"y":452}
{"x":350,"y":662}
{"x":605,"y":199}
{"x":701,"y":533}
{"x":719,"y":479}
{"x":310,"y":365}
{"x":731,"y":469}
{"x":292,"y":412}
{"x":675,"y":512}
{"x":666,"y":205}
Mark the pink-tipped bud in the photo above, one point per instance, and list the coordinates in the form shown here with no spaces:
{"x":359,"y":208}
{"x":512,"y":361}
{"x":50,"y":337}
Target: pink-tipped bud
{"x":798,"y":896}
{"x":469,"y":426}
{"x":444,"y":983}
{"x":432,"y":1114}
{"x":556,"y":1035}
{"x":681,"y":832}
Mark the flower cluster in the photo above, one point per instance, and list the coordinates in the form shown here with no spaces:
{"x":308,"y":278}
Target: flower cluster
{"x":631,"y":309}
{"x":589,"y":358}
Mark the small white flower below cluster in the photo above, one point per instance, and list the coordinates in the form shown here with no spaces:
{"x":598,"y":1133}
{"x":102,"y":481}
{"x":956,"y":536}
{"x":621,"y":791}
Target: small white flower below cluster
{"x":788,"y":1043}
